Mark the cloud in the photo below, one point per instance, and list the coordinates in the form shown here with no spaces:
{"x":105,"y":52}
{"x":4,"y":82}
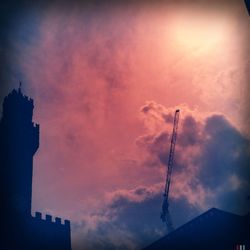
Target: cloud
{"x":129,"y":219}
{"x":210,"y":169}
{"x":118,"y":221}
{"x":210,"y":153}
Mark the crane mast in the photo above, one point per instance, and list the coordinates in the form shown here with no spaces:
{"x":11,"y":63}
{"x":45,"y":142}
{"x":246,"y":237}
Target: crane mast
{"x":165,"y":215}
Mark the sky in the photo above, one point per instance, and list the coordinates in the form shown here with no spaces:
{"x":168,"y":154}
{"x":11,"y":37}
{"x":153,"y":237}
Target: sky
{"x":106,"y":79}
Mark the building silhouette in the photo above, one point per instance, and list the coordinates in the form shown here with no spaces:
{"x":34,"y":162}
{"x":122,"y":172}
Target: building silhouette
{"x":19,"y":141}
{"x":212,"y":230}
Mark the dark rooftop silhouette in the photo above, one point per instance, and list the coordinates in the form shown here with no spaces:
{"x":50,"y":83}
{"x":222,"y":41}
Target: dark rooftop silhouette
{"x":212,"y":230}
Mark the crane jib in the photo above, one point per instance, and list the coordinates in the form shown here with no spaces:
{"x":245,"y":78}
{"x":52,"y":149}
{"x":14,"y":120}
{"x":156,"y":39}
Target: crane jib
{"x":165,"y":216}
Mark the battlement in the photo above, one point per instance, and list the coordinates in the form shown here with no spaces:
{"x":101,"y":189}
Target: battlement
{"x":50,"y":220}
{"x":18,"y":95}
{"x":18,"y":104}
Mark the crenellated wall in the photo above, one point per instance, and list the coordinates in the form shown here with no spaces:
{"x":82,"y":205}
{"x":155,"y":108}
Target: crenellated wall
{"x":50,"y":233}
{"x":50,"y":220}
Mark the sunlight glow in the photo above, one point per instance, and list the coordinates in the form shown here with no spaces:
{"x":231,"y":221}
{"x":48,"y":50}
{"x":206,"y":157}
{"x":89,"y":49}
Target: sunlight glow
{"x":189,"y":33}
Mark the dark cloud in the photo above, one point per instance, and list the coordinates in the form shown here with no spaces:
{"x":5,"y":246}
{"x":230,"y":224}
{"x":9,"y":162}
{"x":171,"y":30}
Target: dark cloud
{"x":155,"y":110}
{"x":190,"y":134}
{"x":156,"y":145}
{"x":211,"y":169}
{"x":224,"y":152}
{"x":133,"y":220}
{"x":214,"y":155}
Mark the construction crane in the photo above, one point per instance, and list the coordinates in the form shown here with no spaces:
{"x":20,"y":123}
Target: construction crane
{"x":165,"y":215}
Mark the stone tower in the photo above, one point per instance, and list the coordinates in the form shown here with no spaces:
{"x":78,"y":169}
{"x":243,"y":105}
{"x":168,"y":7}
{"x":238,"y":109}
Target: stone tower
{"x":19,"y":141}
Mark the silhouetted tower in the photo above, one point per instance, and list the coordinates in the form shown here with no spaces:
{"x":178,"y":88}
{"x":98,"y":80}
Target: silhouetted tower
{"x":165,"y":215}
{"x":19,"y":140}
